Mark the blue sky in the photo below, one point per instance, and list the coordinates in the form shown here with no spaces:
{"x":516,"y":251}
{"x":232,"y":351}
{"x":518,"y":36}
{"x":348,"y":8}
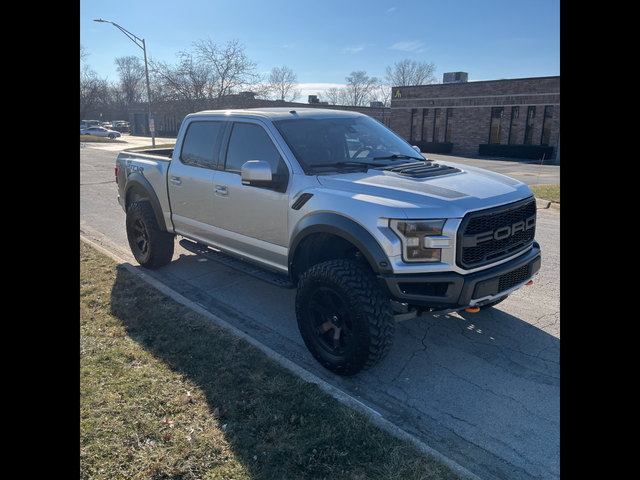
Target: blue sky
{"x":323,"y":41}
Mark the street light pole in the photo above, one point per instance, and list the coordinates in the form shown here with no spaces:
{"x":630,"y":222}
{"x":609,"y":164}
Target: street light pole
{"x":135,"y":40}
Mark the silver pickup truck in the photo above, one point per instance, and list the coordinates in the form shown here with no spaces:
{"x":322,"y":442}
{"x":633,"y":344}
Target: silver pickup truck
{"x":334,"y":204}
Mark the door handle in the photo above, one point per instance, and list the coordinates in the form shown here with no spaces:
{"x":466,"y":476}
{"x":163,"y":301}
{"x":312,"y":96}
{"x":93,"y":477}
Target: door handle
{"x":175,"y":180}
{"x":221,"y":191}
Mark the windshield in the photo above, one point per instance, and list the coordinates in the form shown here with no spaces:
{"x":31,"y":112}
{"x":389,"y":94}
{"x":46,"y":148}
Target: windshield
{"x":328,"y":144}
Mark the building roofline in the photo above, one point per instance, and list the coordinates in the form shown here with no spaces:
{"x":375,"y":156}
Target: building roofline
{"x":478,"y":81}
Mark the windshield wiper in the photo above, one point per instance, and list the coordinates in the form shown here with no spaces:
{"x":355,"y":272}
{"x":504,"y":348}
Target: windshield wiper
{"x":396,"y":157}
{"x":345,"y":164}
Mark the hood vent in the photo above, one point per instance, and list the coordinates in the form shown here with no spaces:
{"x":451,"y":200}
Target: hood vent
{"x":422,"y":170}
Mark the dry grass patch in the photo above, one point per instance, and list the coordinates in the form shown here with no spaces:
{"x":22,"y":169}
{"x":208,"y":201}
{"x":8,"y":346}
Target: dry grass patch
{"x":167,"y":394}
{"x":550,"y":193}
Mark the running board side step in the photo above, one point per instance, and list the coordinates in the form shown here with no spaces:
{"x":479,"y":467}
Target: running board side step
{"x":268,"y":276}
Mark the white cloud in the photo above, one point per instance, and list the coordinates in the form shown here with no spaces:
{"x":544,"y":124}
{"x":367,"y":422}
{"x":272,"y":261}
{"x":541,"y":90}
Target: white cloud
{"x":409,"y":46}
{"x":352,"y":49}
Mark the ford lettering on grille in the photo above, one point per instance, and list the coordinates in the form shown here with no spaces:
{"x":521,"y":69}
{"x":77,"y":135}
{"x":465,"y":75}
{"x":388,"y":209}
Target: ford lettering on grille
{"x":487,"y":236}
{"x":500,"y":233}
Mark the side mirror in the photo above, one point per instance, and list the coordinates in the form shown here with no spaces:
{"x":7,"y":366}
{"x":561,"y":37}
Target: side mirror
{"x":416,"y":148}
{"x":257,"y":173}
{"x":255,"y":170}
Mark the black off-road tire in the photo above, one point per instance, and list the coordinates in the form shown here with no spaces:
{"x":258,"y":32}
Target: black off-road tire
{"x":345,"y":321}
{"x":151,"y":247}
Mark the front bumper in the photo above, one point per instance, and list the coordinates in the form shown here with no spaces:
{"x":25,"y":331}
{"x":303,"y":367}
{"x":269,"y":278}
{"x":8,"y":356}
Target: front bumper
{"x":452,"y":291}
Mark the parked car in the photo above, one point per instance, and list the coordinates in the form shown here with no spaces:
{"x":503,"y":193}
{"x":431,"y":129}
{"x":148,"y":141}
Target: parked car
{"x":89,"y":123}
{"x":99,"y":132}
{"x":121,"y":126}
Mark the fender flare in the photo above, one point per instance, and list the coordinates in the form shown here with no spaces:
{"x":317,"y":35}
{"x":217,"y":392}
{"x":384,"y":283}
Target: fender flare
{"x":341,"y":226}
{"x":143,"y":187}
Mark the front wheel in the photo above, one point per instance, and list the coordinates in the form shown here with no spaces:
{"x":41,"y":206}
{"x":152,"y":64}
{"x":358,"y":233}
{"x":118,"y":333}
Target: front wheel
{"x":151,"y":247}
{"x":345,"y":321}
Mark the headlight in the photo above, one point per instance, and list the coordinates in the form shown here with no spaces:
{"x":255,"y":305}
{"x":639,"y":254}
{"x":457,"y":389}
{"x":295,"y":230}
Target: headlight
{"x":415,"y":236}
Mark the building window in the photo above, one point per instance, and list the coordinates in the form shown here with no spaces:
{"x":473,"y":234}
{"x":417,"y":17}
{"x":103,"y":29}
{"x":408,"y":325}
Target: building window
{"x":425,"y":124}
{"x":496,"y":125}
{"x":513,"y":128}
{"x":528,"y":132}
{"x":546,"y":125}
{"x":448,"y":126}
{"x":436,"y":125}
{"x":415,"y":124}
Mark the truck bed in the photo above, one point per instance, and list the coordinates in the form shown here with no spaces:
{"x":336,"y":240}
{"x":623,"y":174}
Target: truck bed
{"x":159,"y":152}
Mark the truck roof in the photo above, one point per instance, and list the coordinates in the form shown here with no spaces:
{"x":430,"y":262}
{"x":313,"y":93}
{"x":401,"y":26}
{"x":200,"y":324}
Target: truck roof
{"x":277,"y":113}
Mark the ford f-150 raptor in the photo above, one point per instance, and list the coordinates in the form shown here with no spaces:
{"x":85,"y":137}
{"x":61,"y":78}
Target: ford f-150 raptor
{"x":337,"y":205}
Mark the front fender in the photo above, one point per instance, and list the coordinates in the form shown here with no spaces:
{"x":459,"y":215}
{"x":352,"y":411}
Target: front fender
{"x":346,"y":228}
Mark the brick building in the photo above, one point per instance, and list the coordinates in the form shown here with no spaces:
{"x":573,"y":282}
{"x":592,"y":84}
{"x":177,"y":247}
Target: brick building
{"x":168,"y":116}
{"x":509,"y":118}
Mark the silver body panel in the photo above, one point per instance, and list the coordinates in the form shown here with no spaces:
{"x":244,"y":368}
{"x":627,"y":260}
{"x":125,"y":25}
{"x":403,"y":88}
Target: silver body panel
{"x":212,"y":206}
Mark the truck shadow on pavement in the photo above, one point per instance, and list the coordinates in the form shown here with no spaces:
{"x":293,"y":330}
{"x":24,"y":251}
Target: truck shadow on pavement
{"x":257,"y":404}
{"x":482,"y":389}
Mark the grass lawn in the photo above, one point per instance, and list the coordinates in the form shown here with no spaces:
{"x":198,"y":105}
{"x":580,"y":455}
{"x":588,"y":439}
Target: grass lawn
{"x":167,"y":394}
{"x":547,"y":192}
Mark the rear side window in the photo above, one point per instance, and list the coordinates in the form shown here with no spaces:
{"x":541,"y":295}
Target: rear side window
{"x":199,"y":143}
{"x":250,"y":142}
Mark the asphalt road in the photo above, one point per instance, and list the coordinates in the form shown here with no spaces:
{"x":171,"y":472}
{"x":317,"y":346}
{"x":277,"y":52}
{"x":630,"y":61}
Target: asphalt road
{"x":482,"y":389}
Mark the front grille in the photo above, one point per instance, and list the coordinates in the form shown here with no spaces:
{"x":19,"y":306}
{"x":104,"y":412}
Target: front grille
{"x":490,"y":235}
{"x":511,"y":279}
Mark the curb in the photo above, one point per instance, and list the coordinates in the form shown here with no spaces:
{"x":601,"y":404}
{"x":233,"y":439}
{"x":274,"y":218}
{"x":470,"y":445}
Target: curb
{"x":542,"y":204}
{"x":344,"y":398}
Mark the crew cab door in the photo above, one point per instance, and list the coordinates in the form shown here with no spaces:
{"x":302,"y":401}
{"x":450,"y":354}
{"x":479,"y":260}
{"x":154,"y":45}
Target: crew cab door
{"x":251,"y":221}
{"x":190,"y":179}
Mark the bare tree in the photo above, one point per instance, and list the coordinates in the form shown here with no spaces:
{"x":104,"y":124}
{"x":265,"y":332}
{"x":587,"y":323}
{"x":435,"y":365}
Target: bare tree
{"x":93,"y":91}
{"x":359,"y":88}
{"x":283,"y":83}
{"x":132,"y":77}
{"x":410,"y":72}
{"x":381,"y":93}
{"x":231,"y":68}
{"x":334,"y":96}
{"x":83,"y":53}
{"x":188,"y":82}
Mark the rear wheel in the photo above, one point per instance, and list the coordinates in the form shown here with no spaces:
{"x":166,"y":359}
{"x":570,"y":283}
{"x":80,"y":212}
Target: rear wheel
{"x":345,"y":321}
{"x":151,"y":247}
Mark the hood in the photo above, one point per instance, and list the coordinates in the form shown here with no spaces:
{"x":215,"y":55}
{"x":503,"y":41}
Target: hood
{"x":426,"y":190}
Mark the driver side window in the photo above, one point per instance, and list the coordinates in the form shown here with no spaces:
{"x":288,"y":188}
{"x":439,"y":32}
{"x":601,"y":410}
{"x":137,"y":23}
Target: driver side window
{"x":249,"y":141}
